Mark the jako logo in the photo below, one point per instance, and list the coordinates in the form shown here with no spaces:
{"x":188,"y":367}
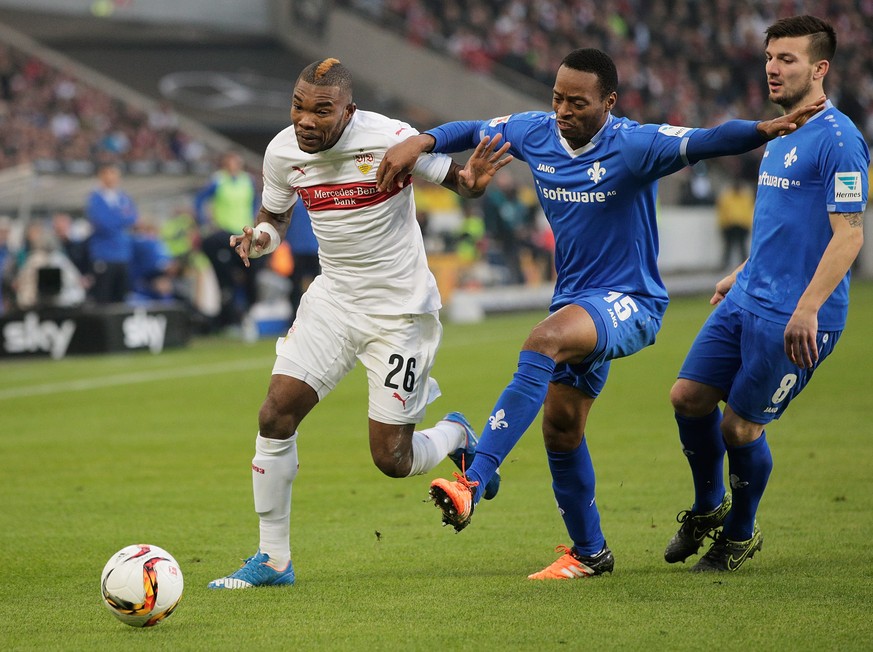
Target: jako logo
{"x":31,"y":335}
{"x":542,"y":167}
{"x":141,"y":330}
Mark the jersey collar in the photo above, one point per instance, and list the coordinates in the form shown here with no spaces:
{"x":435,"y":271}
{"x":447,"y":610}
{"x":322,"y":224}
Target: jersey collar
{"x":828,"y":105}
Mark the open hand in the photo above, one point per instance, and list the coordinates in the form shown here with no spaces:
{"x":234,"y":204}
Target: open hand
{"x":483,"y":164}
{"x":243,"y":244}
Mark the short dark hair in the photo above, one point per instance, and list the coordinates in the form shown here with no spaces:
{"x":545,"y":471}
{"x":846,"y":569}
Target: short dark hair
{"x":328,"y":72}
{"x":823,"y":38}
{"x":596,"y":62}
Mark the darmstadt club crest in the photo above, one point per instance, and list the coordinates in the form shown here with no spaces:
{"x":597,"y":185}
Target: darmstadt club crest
{"x":364,"y":162}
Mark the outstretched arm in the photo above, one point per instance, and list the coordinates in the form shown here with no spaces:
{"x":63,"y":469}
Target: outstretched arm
{"x":738,"y":136}
{"x":264,"y":238}
{"x":471,"y":180}
{"x":397,"y":164}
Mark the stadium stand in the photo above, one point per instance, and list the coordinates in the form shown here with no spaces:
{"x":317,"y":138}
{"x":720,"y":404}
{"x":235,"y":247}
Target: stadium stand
{"x":681,"y":62}
{"x":55,"y":121}
{"x":60,"y":119}
{"x":68,"y":99}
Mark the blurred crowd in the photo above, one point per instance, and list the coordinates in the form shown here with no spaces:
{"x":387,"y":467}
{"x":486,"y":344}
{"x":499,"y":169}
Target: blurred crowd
{"x":685,"y":62}
{"x":54,"y":120}
{"x":108,"y":252}
{"x":690,"y":63}
{"x":111,"y":253}
{"x":502,"y":238}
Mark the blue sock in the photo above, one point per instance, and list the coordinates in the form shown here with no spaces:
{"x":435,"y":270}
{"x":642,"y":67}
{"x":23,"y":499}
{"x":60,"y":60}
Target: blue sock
{"x":515,"y":410}
{"x":704,"y":449}
{"x":573,"y":483}
{"x":750,"y":466}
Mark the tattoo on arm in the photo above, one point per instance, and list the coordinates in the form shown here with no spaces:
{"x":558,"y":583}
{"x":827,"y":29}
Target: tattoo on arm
{"x":854,"y":219}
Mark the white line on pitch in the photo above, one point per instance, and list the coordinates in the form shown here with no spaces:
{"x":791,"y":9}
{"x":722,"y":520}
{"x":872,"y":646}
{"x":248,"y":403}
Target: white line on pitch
{"x":175,"y":372}
{"x":132,"y":378}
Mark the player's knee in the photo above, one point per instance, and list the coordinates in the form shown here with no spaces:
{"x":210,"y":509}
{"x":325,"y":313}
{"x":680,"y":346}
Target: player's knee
{"x":392,"y":463}
{"x":688,"y":401}
{"x":679,"y":398}
{"x":543,"y":339}
{"x":561,"y":440}
{"x":736,"y":431}
{"x":272,"y":423}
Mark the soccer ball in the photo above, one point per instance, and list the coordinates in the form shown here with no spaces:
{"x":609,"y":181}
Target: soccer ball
{"x":141,"y":585}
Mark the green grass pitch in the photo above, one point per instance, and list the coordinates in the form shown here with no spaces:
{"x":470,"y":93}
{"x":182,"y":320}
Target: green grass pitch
{"x":101,"y":452}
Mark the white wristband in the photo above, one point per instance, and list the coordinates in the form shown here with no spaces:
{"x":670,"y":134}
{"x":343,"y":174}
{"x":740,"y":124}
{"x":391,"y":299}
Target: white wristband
{"x":270,"y":230}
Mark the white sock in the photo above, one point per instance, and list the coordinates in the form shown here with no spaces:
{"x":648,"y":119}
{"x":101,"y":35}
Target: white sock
{"x":430,"y":447}
{"x":274,"y":468}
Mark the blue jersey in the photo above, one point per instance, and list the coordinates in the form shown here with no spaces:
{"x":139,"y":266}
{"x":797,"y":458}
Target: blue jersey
{"x":599,"y":199}
{"x":299,"y":234}
{"x":112,"y":214}
{"x":819,"y":169}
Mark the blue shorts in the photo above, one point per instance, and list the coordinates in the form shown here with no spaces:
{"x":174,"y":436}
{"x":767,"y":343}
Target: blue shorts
{"x":625,"y":324}
{"x":744,"y":356}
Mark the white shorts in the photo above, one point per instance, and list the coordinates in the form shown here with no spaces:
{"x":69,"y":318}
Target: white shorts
{"x":398,"y":352}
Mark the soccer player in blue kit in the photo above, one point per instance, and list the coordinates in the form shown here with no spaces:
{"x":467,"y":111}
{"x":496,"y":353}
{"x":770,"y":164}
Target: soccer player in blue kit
{"x":780,"y":314}
{"x":596,"y":178}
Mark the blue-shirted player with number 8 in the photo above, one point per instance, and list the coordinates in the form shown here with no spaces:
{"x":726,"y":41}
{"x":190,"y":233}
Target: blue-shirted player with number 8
{"x":781,"y":312}
{"x":596,"y":178}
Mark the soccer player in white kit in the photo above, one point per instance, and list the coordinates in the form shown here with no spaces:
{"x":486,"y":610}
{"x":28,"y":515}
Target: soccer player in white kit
{"x":376,"y":300}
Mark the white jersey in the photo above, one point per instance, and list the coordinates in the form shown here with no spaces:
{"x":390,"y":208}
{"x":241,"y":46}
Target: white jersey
{"x":369,"y":243}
